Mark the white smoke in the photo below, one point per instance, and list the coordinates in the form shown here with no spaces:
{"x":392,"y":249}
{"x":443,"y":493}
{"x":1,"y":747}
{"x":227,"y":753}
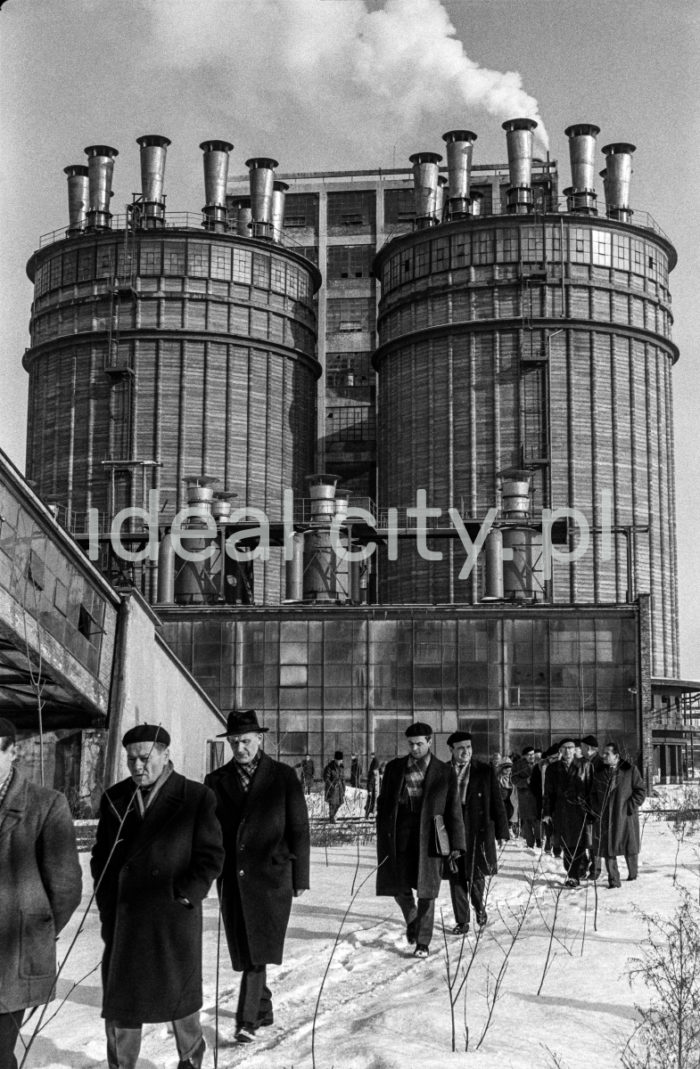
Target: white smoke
{"x":335,"y":69}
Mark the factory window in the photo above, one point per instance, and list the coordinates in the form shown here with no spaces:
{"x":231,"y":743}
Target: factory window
{"x":482,"y":251}
{"x":422,"y":259}
{"x":70,"y":264}
{"x":601,"y":248}
{"x":356,"y":314}
{"x":399,"y":206}
{"x":242,"y":261}
{"x":394,"y":271}
{"x":54,"y":272}
{"x":579,"y":245}
{"x":278,"y":274}
{"x":352,"y":209}
{"x":350,"y":375}
{"x":174,"y":257}
{"x":532,"y":243}
{"x":301,"y":210}
{"x":637,"y":256}
{"x":197,"y":259}
{"x":553,"y":243}
{"x":507,"y":245}
{"x":261,"y":271}
{"x":441,"y":254}
{"x":461,"y":250}
{"x":150,"y":258}
{"x":106,"y":258}
{"x":220,"y":261}
{"x":349,"y":261}
{"x":86,"y":263}
{"x":352,"y":424}
{"x":621,"y":252}
{"x":41,"y":280}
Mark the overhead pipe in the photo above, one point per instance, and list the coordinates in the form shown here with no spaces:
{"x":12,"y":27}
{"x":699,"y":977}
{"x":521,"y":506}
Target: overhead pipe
{"x":618,"y":161}
{"x":215,"y":178}
{"x":581,"y":195}
{"x":78,"y":197}
{"x":100,"y":171}
{"x":519,"y":140}
{"x":425,"y":184}
{"x":153,"y":152}
{"x":262,"y":180}
{"x":459,"y":164}
{"x":279,"y":191}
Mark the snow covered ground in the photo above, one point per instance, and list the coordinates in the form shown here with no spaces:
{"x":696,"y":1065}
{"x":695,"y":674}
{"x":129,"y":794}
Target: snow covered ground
{"x":380,"y":1008}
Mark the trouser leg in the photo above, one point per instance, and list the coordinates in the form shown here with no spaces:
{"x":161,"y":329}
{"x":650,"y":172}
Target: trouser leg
{"x":123,"y":1046}
{"x":613,"y":871}
{"x":10,"y":1024}
{"x":189,"y":1039}
{"x":420,"y":915}
{"x":407,"y":904}
{"x":632,"y":865}
{"x":477,"y":890}
{"x":459,"y":893}
{"x":251,"y":997}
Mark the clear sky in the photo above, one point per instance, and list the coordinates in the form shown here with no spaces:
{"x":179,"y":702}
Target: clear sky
{"x":347,"y":83}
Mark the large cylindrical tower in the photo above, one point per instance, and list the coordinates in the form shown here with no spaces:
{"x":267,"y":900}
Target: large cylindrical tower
{"x":159,"y":354}
{"x":539,"y":342}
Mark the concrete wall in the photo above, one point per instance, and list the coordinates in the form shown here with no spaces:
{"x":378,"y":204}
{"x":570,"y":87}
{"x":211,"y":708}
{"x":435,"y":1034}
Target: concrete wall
{"x":150,"y":685}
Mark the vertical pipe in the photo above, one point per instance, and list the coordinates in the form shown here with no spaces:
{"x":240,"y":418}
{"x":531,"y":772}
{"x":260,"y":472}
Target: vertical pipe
{"x":78,"y":197}
{"x":215,"y":161}
{"x":262,"y":180}
{"x":519,"y":138}
{"x":153,"y":152}
{"x":279,"y":190}
{"x":459,"y":162}
{"x":581,"y":196}
{"x":425,"y":182}
{"x":100,"y":170}
{"x":619,"y":172}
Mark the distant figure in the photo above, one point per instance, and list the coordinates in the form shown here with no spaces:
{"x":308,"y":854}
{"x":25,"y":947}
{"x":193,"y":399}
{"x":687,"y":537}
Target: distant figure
{"x":40,"y":885}
{"x":508,"y":794}
{"x":334,"y":781}
{"x":496,"y":758}
{"x":527,"y":802}
{"x":564,"y":808}
{"x":550,"y":841}
{"x":355,"y":771}
{"x":418,"y":792}
{"x":616,"y":793}
{"x":306,"y":775}
{"x":594,"y":765}
{"x":372,"y":785}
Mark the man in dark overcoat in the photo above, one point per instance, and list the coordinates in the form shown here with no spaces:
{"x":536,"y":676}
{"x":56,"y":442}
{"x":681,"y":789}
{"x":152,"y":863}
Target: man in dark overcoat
{"x":265,"y":824}
{"x":565,"y":807}
{"x":334,"y":784}
{"x":528,"y":815}
{"x":157,"y":851}
{"x":40,"y":885}
{"x":485,"y":821}
{"x":416,"y":790}
{"x":616,"y":793}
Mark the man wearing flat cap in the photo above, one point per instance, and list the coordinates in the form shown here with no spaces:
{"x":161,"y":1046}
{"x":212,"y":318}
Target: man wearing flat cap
{"x":265,"y":825}
{"x":40,"y":885}
{"x":485,"y":821}
{"x":418,"y":797}
{"x":157,"y":851}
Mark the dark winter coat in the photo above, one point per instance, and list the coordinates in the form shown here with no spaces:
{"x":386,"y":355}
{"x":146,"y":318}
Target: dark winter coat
{"x":40,"y":885}
{"x":485,"y":819}
{"x":334,"y":783}
{"x":152,"y":964}
{"x":266,"y":838}
{"x":440,"y":798}
{"x":615,"y":797}
{"x":529,"y":804}
{"x":565,"y":802}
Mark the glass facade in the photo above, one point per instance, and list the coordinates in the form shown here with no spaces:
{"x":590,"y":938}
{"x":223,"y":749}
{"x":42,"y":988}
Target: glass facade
{"x":353,"y":679}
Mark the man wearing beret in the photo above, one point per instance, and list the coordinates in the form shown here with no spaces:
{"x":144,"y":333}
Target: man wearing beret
{"x":157,"y":851}
{"x":485,"y":821}
{"x":40,"y":885}
{"x":415,"y":791}
{"x":265,"y":825}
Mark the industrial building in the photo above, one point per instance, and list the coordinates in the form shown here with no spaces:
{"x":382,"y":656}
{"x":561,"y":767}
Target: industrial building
{"x":519,"y":376}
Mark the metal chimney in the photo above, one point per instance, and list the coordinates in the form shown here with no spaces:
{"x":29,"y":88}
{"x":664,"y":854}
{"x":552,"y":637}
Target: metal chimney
{"x":78,"y":197}
{"x":519,"y":144}
{"x":215,"y":178}
{"x":262,"y":180}
{"x":459,"y":164}
{"x":475,"y":200}
{"x":242,"y":217}
{"x":581,"y":196}
{"x":425,"y":182}
{"x":100,"y":171}
{"x":604,"y":175}
{"x":619,"y":167}
{"x":153,"y":152}
{"x":440,"y":198}
{"x":279,"y":190}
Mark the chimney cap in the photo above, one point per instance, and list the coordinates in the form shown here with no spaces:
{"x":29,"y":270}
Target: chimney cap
{"x":459,"y":135}
{"x":100,"y":150}
{"x":603,"y":173}
{"x":581,"y":128}
{"x":280,"y":187}
{"x":618,"y":147}
{"x":216,"y":146}
{"x":155,"y":140}
{"x":259,"y":162}
{"x":442,"y":180}
{"x":425,"y":157}
{"x":76,"y":169}
{"x":519,"y":124}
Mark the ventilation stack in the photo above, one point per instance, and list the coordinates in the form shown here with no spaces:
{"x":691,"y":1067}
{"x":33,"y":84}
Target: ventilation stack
{"x":581,"y":194}
{"x":100,"y":170}
{"x":459,"y":163}
{"x":78,"y":197}
{"x":195,"y":580}
{"x":475,"y":199}
{"x":153,"y":152}
{"x":519,"y":139}
{"x":522,"y":542}
{"x":325,"y":576}
{"x":425,"y":183}
{"x":618,"y":164}
{"x":262,"y":182}
{"x":279,"y":190}
{"x":215,"y":178}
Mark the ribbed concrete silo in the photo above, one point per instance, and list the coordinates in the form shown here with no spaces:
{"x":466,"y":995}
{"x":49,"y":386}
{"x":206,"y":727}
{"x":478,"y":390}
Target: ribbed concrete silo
{"x":167,"y":346}
{"x":538,"y":340}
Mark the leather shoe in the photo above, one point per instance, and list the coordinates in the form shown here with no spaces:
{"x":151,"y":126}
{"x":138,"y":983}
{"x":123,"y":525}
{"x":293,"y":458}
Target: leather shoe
{"x":421,"y":951}
{"x":482,"y":918}
{"x":245,"y":1033}
{"x":460,"y":929}
{"x":196,"y":1057}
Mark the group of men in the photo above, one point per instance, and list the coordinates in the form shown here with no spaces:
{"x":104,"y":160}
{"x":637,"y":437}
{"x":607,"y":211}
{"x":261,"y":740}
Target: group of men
{"x":163,"y":839}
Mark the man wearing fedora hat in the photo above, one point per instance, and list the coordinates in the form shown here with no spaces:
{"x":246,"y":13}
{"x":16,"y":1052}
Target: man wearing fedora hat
{"x":265,"y":825}
{"x":157,"y":850}
{"x":418,"y":800}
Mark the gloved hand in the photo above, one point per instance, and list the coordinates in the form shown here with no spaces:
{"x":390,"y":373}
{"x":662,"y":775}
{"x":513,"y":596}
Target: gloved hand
{"x":453,"y":859}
